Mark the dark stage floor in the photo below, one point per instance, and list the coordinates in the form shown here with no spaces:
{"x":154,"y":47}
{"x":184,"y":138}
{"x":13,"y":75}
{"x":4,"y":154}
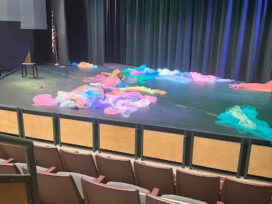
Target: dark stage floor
{"x":192,"y":106}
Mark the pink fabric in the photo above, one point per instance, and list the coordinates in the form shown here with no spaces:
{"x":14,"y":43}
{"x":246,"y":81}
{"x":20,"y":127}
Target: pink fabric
{"x":97,"y":78}
{"x":136,"y":73}
{"x":110,"y":82}
{"x":267,"y":87}
{"x":44,"y":100}
{"x":202,"y":78}
{"x":152,"y":99}
{"x":125,"y":103}
{"x":111,"y":111}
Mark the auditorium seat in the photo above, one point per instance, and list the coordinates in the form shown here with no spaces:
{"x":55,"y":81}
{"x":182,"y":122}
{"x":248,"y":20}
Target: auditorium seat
{"x":77,"y":179}
{"x":201,"y":187}
{"x":78,"y":162}
{"x":115,"y":169}
{"x":238,"y":192}
{"x":171,"y":199}
{"x":142,"y":191}
{"x":48,"y":156}
{"x":105,"y":194}
{"x":15,"y":152}
{"x":149,"y":177}
{"x":7,"y":167}
{"x":56,"y":188}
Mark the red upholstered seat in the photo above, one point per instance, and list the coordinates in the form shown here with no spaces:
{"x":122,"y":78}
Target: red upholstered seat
{"x":149,"y":177}
{"x":238,"y":192}
{"x":97,"y":193}
{"x":48,"y":156}
{"x":78,"y":162}
{"x":201,"y":187}
{"x":115,"y":169}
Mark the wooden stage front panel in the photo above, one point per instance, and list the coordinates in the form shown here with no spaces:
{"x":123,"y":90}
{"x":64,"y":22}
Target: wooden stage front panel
{"x":9,"y":122}
{"x":13,"y":193}
{"x":216,"y":154}
{"x":117,"y":138}
{"x":260,"y":162}
{"x":40,"y":127}
{"x":76,"y":132}
{"x":163,"y":145}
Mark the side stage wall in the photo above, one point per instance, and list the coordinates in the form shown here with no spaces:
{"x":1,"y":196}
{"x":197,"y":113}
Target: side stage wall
{"x":15,"y":43}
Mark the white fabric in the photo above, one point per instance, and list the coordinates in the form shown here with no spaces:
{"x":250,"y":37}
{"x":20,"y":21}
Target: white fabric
{"x":20,"y":167}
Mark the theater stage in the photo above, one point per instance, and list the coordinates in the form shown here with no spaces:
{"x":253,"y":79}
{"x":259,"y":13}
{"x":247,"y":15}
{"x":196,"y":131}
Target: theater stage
{"x":188,"y":109}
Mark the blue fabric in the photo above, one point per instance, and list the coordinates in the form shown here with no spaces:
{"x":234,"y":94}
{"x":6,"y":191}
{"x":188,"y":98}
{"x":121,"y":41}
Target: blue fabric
{"x":244,"y":118}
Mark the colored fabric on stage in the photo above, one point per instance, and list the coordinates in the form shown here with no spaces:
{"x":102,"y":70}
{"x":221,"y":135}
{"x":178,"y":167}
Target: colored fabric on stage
{"x":143,"y":89}
{"x":44,"y":100}
{"x":118,"y":92}
{"x":267,"y":87}
{"x":86,"y":65}
{"x":244,"y":118}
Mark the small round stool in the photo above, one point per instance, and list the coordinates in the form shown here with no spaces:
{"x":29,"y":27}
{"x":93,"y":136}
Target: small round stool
{"x":34,"y":67}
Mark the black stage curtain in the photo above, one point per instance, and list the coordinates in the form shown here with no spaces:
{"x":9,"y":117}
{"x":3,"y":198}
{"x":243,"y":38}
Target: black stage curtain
{"x":76,"y":19}
{"x":96,"y":30}
{"x":230,"y":38}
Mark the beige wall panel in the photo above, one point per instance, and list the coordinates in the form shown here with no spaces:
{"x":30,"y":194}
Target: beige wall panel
{"x":117,"y":138}
{"x":40,"y":127}
{"x":162,"y":145}
{"x":260,"y":162}
{"x":76,"y":132}
{"x":14,"y":193}
{"x":216,"y":154}
{"x":8,"y":122}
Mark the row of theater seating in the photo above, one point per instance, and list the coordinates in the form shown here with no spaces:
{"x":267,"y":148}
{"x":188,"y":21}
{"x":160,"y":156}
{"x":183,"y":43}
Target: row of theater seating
{"x":72,"y":177}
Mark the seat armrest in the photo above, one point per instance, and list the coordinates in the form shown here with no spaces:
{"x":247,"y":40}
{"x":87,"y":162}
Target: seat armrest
{"x":8,"y":161}
{"x":52,"y":169}
{"x":49,"y":170}
{"x":155,"y":191}
{"x":100,"y":179}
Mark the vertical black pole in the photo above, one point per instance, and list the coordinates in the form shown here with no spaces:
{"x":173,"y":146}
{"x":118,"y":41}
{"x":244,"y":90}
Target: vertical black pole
{"x":20,"y":123}
{"x":247,"y":158}
{"x":184,"y":149}
{"x":191,"y":151}
{"x":60,"y":17}
{"x":240,"y":158}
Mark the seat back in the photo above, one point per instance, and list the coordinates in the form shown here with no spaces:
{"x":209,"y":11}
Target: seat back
{"x":9,"y":168}
{"x":107,"y":194}
{"x":47,"y":156}
{"x":237,"y":192}
{"x":149,"y":177}
{"x":78,"y":162}
{"x":115,"y":169}
{"x":15,"y":152}
{"x":55,"y":188}
{"x":150,"y":199}
{"x":2,"y":153}
{"x":200,"y":187}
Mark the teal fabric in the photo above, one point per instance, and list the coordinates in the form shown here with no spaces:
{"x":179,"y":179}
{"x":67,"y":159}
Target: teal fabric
{"x":244,"y":118}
